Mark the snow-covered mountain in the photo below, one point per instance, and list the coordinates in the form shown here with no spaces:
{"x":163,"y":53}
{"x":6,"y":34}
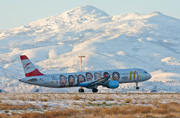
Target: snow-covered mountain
{"x":54,"y":44}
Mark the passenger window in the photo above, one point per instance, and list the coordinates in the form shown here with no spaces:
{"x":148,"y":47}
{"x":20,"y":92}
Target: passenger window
{"x":97,"y":76}
{"x":71,"y":80}
{"x":106,"y":74}
{"x":80,"y":79}
{"x":63,"y":80}
{"x":89,"y":76}
{"x":115,"y":76}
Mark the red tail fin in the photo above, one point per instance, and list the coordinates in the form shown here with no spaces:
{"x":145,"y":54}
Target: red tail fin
{"x":29,"y":68}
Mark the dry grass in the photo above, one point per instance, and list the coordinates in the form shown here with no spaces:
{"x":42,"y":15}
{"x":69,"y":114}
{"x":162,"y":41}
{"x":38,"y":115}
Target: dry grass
{"x":44,"y":99}
{"x":45,"y":106}
{"x":76,"y":97}
{"x":142,"y":102}
{"x":6,"y":106}
{"x":109,"y":98}
{"x":23,"y":98}
{"x":92,"y":105}
{"x":29,"y":115}
{"x":155,"y":102}
{"x":61,"y":113}
{"x":32,"y":99}
{"x":126,"y":111}
{"x":128,"y":101}
{"x":5,"y":116}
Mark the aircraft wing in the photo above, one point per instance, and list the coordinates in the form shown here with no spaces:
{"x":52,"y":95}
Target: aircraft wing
{"x":95,"y":82}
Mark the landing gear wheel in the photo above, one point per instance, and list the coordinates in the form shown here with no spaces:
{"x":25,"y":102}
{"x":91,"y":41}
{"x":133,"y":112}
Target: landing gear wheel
{"x":81,"y":90}
{"x":137,"y":88}
{"x":94,"y":90}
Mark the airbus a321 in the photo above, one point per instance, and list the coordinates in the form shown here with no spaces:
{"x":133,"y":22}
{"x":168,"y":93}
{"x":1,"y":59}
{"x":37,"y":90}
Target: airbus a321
{"x":91,"y":80}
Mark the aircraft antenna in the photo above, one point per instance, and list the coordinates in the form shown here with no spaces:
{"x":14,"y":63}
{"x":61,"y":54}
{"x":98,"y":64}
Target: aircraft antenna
{"x":81,"y":61}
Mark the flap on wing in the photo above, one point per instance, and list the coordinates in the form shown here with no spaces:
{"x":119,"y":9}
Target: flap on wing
{"x":84,"y":84}
{"x":99,"y":81}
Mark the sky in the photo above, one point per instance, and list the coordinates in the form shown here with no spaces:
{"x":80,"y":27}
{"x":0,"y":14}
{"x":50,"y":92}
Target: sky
{"x":16,"y":13}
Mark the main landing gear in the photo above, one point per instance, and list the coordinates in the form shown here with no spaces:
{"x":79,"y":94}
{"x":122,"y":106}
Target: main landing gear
{"x":94,"y":90}
{"x":137,"y":88}
{"x":81,"y":90}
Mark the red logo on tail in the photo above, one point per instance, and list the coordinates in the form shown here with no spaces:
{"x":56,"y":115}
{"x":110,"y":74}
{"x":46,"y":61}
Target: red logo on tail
{"x":26,"y":65}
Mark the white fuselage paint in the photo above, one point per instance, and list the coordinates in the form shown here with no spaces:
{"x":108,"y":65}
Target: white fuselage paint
{"x":61,"y":80}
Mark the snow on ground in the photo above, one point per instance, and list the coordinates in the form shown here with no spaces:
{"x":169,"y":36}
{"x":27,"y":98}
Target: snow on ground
{"x":54,"y":101}
{"x":54,"y":44}
{"x":171,"y":61}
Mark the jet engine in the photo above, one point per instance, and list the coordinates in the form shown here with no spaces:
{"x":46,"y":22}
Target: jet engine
{"x":112,"y":84}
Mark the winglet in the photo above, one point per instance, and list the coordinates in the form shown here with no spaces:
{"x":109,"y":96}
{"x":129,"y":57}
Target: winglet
{"x":29,"y":68}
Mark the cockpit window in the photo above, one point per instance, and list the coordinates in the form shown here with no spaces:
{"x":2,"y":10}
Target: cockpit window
{"x":145,"y":71}
{"x":33,"y":80}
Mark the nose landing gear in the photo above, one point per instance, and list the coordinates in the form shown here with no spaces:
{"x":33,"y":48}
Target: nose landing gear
{"x":137,"y":88}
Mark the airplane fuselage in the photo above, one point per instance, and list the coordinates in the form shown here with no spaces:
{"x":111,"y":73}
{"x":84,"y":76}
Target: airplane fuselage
{"x":90,"y":80}
{"x":75,"y":79}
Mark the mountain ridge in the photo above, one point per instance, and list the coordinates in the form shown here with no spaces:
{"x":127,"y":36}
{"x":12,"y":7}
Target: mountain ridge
{"x":132,"y":40}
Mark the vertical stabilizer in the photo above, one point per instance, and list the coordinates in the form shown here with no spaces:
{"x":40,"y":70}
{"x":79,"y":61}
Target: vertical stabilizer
{"x":29,"y":68}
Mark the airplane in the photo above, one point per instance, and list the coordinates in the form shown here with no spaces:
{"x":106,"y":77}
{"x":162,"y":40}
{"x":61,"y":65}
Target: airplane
{"x":91,"y":79}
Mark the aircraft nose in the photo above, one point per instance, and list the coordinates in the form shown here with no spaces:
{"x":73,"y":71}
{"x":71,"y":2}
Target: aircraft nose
{"x":149,"y":76}
{"x":21,"y":80}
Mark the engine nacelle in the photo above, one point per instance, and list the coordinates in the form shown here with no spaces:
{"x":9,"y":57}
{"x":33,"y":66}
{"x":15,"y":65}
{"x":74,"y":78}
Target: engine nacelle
{"x":112,"y":84}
